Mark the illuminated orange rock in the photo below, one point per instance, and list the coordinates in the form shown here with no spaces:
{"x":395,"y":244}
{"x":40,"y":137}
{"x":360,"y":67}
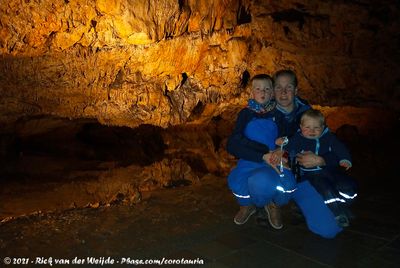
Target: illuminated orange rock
{"x":170,"y":62}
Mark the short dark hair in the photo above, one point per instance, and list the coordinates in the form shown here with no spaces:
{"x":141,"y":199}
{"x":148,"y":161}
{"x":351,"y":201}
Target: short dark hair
{"x":287,"y":72}
{"x":314,"y":114}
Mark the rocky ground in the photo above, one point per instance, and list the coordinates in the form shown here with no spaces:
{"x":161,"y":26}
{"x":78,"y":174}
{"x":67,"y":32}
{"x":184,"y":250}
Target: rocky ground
{"x":154,"y":225}
{"x":170,"y":218}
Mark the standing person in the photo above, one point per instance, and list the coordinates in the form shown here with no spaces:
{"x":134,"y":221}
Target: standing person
{"x":337,"y":189}
{"x":255,"y":181}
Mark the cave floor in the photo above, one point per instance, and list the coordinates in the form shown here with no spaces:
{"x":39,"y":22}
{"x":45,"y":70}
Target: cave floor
{"x":195,"y":223}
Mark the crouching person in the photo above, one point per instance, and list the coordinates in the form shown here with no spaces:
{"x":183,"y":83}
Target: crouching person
{"x":256,"y":181}
{"x":337,"y":189}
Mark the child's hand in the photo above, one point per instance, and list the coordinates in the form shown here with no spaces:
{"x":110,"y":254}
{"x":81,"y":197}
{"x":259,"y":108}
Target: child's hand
{"x":309,"y":159}
{"x":279,"y":141}
{"x":346,"y":164}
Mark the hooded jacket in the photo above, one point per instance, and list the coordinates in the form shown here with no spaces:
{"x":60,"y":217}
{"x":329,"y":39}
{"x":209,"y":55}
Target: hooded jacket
{"x":325,"y":144}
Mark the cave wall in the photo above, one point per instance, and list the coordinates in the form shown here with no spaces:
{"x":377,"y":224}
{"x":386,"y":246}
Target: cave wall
{"x":167,"y":62}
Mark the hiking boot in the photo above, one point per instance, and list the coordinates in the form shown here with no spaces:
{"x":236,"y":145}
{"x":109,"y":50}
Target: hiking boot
{"x":274,"y":215}
{"x":244,"y":214}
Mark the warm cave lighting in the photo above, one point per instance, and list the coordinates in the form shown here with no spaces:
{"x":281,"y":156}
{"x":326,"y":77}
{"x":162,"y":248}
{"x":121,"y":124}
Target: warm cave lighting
{"x":115,"y":118}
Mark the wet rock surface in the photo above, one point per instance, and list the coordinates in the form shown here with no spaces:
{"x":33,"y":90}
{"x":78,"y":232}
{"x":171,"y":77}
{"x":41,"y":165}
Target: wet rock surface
{"x":114,"y":117}
{"x":120,"y":229}
{"x":52,"y":164}
{"x":77,"y":164}
{"x":195,"y":221}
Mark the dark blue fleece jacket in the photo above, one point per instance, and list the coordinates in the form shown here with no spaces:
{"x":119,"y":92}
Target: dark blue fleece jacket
{"x":241,"y":147}
{"x":288,"y":123}
{"x":326,"y":145}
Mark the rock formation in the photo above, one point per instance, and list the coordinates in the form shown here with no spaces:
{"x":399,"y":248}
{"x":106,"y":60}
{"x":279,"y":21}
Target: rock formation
{"x":154,"y":73}
{"x":171,"y":62}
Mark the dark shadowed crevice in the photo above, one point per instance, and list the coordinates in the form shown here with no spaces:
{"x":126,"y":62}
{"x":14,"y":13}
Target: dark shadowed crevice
{"x":197,"y":111}
{"x":182,"y":4}
{"x":245,"y":79}
{"x":184,"y":79}
{"x":194,"y":160}
{"x":90,"y":141}
{"x":243,"y":15}
{"x":286,"y":30}
{"x":291,"y":15}
{"x":142,"y":145}
{"x":297,"y":15}
{"x":93,"y":23}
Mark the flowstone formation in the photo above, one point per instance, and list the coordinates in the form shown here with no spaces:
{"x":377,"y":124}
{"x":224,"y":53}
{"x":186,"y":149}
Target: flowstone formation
{"x":104,"y":101}
{"x":167,"y":62}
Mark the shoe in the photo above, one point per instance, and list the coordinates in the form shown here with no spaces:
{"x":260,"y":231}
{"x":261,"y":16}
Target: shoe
{"x":244,"y":214}
{"x":274,"y":215}
{"x":342,"y":221}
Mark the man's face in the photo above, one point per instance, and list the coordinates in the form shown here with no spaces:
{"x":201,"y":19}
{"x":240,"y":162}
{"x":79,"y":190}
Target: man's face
{"x":285,"y":92}
{"x":262,"y":90}
{"x":311,"y":127}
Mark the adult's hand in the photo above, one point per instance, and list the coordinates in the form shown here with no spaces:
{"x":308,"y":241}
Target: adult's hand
{"x":308,"y":159}
{"x":273,"y":158}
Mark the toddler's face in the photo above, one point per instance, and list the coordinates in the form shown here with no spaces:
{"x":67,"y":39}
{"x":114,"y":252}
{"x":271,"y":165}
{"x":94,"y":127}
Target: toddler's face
{"x":311,"y":127}
{"x":262,"y":91}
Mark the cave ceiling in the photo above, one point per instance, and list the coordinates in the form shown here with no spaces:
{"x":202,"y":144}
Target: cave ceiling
{"x":164,"y":63}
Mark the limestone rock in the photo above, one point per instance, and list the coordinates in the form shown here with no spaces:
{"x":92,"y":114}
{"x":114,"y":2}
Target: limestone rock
{"x":168,"y":62}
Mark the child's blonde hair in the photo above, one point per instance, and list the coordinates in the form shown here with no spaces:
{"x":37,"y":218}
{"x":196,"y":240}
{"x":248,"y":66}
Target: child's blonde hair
{"x":262,"y":77}
{"x":314,"y":114}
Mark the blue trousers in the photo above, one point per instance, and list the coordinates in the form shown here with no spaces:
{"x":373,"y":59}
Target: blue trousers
{"x":319,"y":217}
{"x":336,"y":188}
{"x":259,"y":184}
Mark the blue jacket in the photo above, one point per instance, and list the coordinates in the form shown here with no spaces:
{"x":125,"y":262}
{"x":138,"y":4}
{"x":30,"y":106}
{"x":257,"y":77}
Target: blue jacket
{"x":239,"y":145}
{"x":288,"y":123}
{"x":324,"y":145}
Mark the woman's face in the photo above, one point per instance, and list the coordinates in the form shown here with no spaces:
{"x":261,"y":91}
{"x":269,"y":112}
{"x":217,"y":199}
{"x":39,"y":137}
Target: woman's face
{"x":285,"y":92}
{"x":262,"y":90}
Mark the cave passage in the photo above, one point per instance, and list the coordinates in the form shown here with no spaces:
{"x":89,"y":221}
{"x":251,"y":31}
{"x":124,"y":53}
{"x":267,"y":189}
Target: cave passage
{"x":62,"y":163}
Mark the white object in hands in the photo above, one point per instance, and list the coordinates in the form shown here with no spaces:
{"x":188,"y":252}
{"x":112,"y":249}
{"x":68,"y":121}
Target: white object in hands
{"x":285,"y":141}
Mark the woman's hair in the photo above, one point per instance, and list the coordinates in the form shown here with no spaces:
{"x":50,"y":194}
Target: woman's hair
{"x":289,"y":73}
{"x":314,"y":114}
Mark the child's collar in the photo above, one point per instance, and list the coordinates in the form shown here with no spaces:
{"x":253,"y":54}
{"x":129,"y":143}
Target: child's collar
{"x":326,"y":130}
{"x":253,"y":105}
